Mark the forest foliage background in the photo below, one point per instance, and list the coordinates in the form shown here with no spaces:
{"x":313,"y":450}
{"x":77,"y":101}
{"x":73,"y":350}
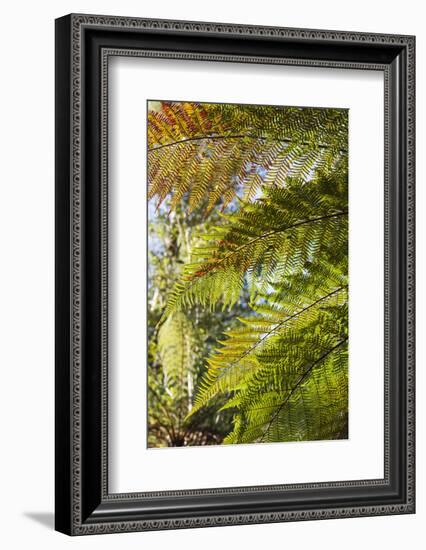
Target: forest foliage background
{"x":248,"y":273}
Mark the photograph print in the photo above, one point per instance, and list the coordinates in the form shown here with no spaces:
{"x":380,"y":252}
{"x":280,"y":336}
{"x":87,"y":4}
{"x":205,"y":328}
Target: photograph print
{"x":247,"y":300}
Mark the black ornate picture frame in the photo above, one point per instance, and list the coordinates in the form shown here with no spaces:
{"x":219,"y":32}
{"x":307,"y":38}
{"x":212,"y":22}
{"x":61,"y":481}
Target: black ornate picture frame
{"x":84,"y":505}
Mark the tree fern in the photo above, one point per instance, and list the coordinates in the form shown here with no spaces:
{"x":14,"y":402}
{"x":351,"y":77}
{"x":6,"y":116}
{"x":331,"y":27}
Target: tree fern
{"x":277,"y":180}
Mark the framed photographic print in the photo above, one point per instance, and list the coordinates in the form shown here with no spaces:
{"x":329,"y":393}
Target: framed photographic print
{"x":234,"y":274}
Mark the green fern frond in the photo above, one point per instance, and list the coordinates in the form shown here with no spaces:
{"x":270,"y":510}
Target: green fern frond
{"x":314,"y":407}
{"x":284,"y":232}
{"x":177,"y":348}
{"x":262,"y":337}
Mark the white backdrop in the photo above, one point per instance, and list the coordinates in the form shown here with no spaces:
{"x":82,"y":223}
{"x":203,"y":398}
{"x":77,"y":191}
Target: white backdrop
{"x":26,"y":229}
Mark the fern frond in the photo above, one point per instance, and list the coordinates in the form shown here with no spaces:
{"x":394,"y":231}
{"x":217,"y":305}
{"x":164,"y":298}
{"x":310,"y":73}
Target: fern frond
{"x":314,"y":408}
{"x":177,"y":348}
{"x":238,"y":151}
{"x":278,"y":235}
{"x":246,"y":346}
